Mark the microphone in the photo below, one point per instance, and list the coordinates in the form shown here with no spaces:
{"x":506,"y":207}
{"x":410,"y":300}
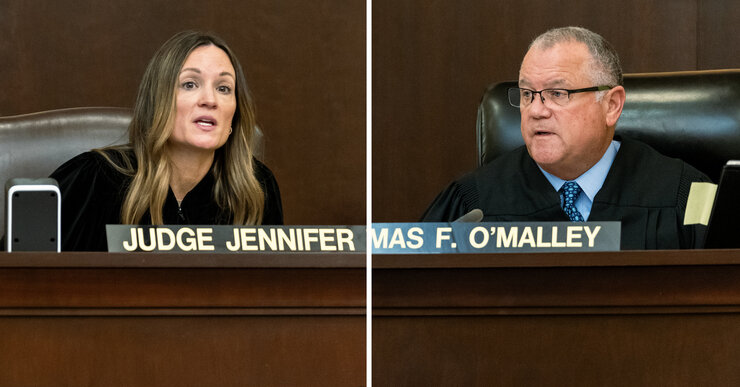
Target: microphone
{"x":473,"y":216}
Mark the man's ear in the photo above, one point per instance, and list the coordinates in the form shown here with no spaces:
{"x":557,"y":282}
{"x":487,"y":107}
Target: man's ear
{"x":614,"y":100}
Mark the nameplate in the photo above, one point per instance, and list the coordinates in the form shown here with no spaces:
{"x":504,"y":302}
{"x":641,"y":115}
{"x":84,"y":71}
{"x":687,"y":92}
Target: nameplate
{"x":508,"y":237}
{"x":235,"y":239}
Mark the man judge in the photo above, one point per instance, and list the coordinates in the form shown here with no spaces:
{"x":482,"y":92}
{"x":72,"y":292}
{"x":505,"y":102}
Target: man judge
{"x":570,"y":96}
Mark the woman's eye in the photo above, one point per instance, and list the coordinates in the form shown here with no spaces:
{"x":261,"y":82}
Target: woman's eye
{"x":224,"y":89}
{"x":188,"y":85}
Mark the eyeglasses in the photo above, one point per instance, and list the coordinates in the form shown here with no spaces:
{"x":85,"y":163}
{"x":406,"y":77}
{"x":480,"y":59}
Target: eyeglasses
{"x":523,"y":97}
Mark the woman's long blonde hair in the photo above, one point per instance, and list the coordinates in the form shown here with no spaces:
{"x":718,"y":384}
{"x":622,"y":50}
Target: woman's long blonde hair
{"x":236,"y":190}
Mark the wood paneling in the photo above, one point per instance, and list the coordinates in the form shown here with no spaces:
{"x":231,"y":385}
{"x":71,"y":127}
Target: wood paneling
{"x":574,"y":350}
{"x":432,"y":60}
{"x":717,"y":32}
{"x":304,"y":61}
{"x":183,"y":351}
{"x":91,"y":319}
{"x":640,"y":318}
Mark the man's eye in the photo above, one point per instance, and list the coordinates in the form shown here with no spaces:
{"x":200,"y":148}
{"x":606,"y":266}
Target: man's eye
{"x":557,"y":93}
{"x":526,"y":94}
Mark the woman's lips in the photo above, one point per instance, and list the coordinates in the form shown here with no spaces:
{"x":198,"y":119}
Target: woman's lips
{"x":205,"y":122}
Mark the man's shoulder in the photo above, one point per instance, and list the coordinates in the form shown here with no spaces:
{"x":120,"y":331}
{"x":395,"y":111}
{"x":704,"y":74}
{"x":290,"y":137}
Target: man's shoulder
{"x":648,"y":160}
{"x":642,"y":176}
{"x":638,"y":151}
{"x":498,"y":176}
{"x":506,"y":166}
{"x":508,"y":187}
{"x":511,"y":186}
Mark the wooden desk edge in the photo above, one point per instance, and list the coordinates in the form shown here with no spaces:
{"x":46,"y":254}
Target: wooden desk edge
{"x":578,"y":259}
{"x":175,"y":260}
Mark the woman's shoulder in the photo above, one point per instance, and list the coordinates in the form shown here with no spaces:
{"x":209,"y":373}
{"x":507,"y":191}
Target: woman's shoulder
{"x":107,"y":158}
{"x":261,"y":171}
{"x":108,"y":164}
{"x":273,"y":213}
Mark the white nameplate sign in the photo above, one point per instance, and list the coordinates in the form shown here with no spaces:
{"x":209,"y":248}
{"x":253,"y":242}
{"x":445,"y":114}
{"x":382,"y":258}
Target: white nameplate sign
{"x":508,"y":237}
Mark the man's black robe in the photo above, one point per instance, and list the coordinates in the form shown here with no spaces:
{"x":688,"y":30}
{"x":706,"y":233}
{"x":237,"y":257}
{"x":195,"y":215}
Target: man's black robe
{"x":644,"y":190}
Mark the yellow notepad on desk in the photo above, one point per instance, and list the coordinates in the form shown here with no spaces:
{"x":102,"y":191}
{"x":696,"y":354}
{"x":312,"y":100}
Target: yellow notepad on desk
{"x":700,"y":203}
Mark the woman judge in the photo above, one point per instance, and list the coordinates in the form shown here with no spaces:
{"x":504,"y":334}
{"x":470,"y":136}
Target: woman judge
{"x":188,"y":160}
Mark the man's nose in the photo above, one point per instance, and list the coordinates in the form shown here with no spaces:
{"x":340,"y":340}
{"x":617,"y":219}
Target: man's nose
{"x":538,"y":107}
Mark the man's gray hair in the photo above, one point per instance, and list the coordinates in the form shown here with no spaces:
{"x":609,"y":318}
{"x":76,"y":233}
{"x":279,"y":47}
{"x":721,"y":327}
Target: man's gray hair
{"x":605,"y":67}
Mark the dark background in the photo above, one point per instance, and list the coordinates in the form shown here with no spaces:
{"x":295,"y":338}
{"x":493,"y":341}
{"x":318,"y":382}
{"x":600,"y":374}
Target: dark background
{"x":432,"y":60}
{"x":304,"y":62}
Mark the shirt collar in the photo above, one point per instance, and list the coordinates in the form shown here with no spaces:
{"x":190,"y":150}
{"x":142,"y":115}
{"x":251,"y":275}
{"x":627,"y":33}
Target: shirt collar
{"x":591,"y":180}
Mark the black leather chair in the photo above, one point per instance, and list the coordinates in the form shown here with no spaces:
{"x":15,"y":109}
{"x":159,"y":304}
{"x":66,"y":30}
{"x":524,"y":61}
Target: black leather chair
{"x":693,"y":115}
{"x":34,"y":145}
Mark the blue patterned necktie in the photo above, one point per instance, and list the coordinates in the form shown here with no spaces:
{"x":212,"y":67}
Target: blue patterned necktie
{"x":570,"y":191}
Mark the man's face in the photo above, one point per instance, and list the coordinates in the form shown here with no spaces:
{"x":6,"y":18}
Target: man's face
{"x":564,"y":140}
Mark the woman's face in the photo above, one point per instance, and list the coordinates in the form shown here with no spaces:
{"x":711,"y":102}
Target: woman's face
{"x":205,"y":99}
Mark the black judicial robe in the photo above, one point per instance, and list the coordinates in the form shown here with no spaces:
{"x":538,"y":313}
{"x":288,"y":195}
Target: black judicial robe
{"x":93,"y":192}
{"x":644,"y":190}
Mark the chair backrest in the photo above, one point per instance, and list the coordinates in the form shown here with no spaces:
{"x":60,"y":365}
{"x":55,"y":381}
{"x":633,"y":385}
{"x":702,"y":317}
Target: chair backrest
{"x":34,"y":145}
{"x":692,"y":115}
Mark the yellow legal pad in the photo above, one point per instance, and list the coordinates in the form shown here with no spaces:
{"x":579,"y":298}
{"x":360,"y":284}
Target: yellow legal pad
{"x":700,"y":202}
